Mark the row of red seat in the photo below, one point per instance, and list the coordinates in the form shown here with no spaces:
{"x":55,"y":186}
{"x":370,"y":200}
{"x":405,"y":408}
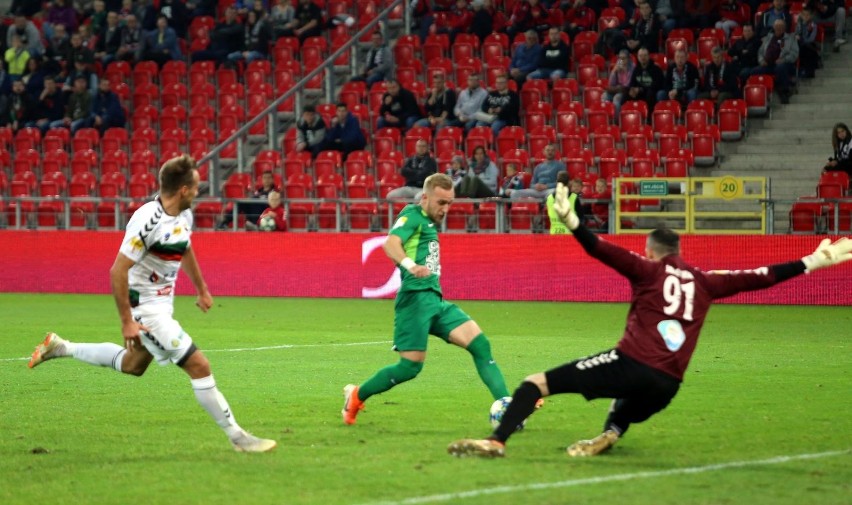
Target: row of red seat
{"x":829,"y":211}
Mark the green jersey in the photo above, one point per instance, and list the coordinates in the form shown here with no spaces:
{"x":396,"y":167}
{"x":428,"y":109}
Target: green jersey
{"x":419,"y":236}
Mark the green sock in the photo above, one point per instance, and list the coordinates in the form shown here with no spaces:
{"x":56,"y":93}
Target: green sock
{"x":487,"y":368}
{"x":389,"y":377}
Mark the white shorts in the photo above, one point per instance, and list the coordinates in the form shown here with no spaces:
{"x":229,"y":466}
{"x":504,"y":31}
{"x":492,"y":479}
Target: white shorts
{"x":165,"y":339}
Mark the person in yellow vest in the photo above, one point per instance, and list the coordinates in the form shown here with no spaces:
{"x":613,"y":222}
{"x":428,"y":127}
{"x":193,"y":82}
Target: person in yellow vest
{"x":556,"y":225}
{"x":16,"y":58}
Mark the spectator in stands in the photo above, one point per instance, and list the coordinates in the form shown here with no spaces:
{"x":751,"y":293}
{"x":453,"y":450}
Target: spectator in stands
{"x":731,"y":14}
{"x":482,"y":22}
{"x":399,"y":107}
{"x":619,"y":80}
{"x":416,"y":169}
{"x":22,"y":107}
{"x":253,"y":210}
{"x":199,"y":8}
{"x":469,"y":102}
{"x":777,"y":12}
{"x":161,"y":45}
{"x":841,"y":141}
{"x":480,"y":181}
{"x":225,"y":39}
{"x":255,"y":40}
{"x":378,"y":64}
{"x":281,"y":16}
{"x":681,"y":81}
{"x":106,"y":108}
{"x":501,"y":107}
{"x":51,"y":105}
{"x":310,"y":131}
{"x":700,"y":13}
{"x":647,"y":79}
{"x":600,"y":211}
{"x":439,"y":105}
{"x":459,"y":19}
{"x":57,"y":49}
{"x":28,"y":33}
{"x":345,"y":133}
{"x":81,"y":69}
{"x":175,"y":13}
{"x":578,"y":18}
{"x":557,"y":227}
{"x":527,"y":15}
{"x":34,"y":77}
{"x":720,"y":79}
{"x":646,"y":31}
{"x":5,"y":80}
{"x":777,"y":56}
{"x":131,"y":40}
{"x":274,"y":209}
{"x":554,"y":59}
{"x":512,"y":182}
{"x":109,"y":40}
{"x":544,"y":176}
{"x":97,"y":19}
{"x":832,"y":10}
{"x":16,"y":58}
{"x":526,"y":57}
{"x":78,"y":110}
{"x":457,"y":169}
{"x":25,"y":8}
{"x":670,"y":13}
{"x":307,"y":21}
{"x":59,"y":13}
{"x":744,"y":52}
{"x":809,"y":53}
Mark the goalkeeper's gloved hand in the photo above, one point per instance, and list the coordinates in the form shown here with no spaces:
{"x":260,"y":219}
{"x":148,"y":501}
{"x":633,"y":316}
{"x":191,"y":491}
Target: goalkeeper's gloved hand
{"x":564,"y":209}
{"x":828,"y":254}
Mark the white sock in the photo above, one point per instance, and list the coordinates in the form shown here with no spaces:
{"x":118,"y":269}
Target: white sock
{"x":104,"y":354}
{"x":214,"y":403}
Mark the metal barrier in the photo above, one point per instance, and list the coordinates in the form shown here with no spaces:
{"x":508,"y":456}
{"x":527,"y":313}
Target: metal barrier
{"x":696,"y":205}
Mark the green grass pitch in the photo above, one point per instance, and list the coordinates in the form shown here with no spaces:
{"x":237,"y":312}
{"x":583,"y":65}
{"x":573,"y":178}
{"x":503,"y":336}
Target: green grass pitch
{"x":766,"y":384}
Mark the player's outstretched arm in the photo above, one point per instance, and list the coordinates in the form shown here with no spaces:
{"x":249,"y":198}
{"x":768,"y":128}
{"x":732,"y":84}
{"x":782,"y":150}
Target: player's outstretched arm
{"x":189,"y":264}
{"x":828,"y":254}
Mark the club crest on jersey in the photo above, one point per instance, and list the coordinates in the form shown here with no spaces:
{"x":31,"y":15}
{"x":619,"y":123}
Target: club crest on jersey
{"x":154,"y":277}
{"x":672,"y":333}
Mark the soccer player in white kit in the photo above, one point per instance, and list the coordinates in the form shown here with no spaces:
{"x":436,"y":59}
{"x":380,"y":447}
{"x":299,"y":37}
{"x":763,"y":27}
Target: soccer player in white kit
{"x":155,"y":246}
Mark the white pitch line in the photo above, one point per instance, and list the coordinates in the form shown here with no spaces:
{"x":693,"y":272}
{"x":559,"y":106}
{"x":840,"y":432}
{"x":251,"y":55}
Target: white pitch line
{"x":267,"y":348}
{"x":603,"y":479}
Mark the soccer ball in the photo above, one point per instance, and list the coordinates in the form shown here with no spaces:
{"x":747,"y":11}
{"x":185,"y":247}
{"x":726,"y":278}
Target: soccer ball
{"x":498,"y":408}
{"x":267,"y":223}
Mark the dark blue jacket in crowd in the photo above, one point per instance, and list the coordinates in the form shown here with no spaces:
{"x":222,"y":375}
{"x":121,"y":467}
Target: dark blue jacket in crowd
{"x":107,"y":106}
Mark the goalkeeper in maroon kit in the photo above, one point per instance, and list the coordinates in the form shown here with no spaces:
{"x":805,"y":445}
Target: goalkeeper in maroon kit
{"x":643,"y":372}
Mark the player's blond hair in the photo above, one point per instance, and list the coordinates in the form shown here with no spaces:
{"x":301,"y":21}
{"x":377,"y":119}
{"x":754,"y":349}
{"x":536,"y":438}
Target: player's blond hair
{"x":176,"y":173}
{"x":442,"y":181}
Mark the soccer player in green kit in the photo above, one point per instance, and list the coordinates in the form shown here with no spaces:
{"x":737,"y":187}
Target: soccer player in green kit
{"x":420,"y":308}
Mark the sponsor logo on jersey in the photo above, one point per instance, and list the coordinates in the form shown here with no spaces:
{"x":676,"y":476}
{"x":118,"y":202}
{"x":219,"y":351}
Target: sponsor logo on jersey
{"x":136,"y":243}
{"x":164,"y":291}
{"x":177,"y":230}
{"x":672,"y":333}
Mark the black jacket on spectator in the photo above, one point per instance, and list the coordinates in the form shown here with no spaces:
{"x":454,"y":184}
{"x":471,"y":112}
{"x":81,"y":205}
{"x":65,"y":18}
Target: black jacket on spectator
{"x":108,"y":107}
{"x":22,"y":108}
{"x":402,"y":106}
{"x":744,"y":52}
{"x":722,"y":78}
{"x":417,"y":169}
{"x":27,"y":8}
{"x":257,"y":37}
{"x":556,"y":58}
{"x":673,"y":79}
{"x":648,"y":34}
{"x":174,"y":10}
{"x":52,"y":107}
{"x":445,"y":102}
{"x":510,"y":106}
{"x":109,"y":41}
{"x":227,"y":38}
{"x":649,"y":80}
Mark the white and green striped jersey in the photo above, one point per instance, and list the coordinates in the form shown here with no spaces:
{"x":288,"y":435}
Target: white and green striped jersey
{"x":157,"y":242}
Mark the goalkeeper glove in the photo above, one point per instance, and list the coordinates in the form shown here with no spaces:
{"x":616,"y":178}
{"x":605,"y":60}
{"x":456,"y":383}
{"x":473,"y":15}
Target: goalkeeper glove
{"x":828,"y":254}
{"x":564,"y":209}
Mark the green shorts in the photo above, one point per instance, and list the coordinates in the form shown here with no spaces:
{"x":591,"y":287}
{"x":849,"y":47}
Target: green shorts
{"x":417,"y":314}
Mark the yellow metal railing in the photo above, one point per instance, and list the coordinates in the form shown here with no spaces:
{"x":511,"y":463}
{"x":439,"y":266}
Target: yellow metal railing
{"x":698,"y":205}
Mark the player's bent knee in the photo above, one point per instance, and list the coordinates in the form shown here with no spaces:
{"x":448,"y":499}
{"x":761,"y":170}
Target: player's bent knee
{"x":540,"y":381}
{"x":408,"y":369}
